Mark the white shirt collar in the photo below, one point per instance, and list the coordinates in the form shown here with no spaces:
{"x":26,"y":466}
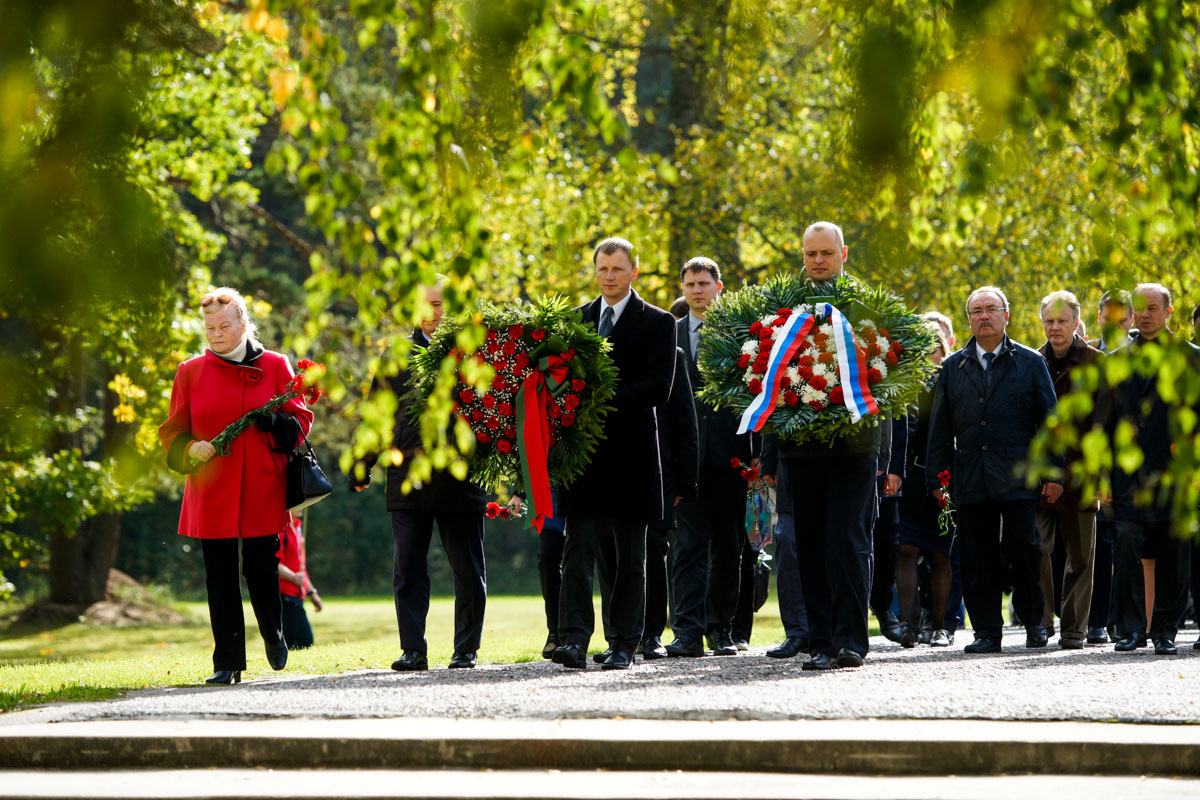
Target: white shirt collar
{"x":979,"y":351}
{"x":694,"y":322}
{"x":618,"y":307}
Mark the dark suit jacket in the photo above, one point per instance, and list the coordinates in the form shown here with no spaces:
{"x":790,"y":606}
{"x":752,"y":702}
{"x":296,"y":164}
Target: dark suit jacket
{"x":982,"y":436}
{"x":624,"y":478}
{"x":677,"y":443}
{"x":1137,"y":400}
{"x":444,"y":492}
{"x":717,"y":428}
{"x":1080,"y":354}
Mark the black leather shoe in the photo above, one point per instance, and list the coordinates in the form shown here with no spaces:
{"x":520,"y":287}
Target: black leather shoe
{"x":819,"y":662}
{"x":463,"y":661}
{"x":790,"y":647}
{"x":723,"y":644}
{"x":908,"y":638}
{"x":847,"y":658}
{"x":1134,"y":641}
{"x":652,"y":649}
{"x":889,"y":626}
{"x":277,"y":655}
{"x":982,"y":646}
{"x":684,"y":647}
{"x":742,"y":645}
{"x":600,"y":658}
{"x":1097,"y":636}
{"x":1196,"y":645}
{"x":411,"y":661}
{"x":571,"y":656}
{"x":1165,"y":647}
{"x":620,"y":659}
{"x":1070,"y":644}
{"x":1036,"y":636}
{"x":550,"y":646}
{"x":225,"y":677}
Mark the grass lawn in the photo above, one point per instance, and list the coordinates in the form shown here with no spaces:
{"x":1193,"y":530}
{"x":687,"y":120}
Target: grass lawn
{"x":89,"y":662}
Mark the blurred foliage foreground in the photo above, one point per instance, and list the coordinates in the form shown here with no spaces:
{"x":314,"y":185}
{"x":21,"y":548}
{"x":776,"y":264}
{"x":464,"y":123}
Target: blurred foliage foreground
{"x":327,"y":157}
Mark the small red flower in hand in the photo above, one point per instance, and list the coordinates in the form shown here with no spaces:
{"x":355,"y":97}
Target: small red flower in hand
{"x":736,"y":463}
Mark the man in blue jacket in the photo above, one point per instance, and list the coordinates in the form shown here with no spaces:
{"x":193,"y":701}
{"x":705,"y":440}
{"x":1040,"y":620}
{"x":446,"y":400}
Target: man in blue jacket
{"x":991,"y":398}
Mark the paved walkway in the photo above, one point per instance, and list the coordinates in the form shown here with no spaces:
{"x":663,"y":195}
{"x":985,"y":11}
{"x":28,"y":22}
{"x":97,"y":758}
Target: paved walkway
{"x":1094,"y":684}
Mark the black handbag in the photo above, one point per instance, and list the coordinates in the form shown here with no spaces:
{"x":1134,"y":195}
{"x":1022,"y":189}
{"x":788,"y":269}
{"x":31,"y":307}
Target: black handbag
{"x":762,"y":584}
{"x":306,"y":481}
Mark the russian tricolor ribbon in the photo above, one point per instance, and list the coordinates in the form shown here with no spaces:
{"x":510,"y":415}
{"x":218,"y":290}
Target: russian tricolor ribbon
{"x":852,"y":367}
{"x":533,"y":433}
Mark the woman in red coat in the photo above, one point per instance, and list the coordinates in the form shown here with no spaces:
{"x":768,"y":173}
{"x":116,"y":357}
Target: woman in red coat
{"x":242,"y":495}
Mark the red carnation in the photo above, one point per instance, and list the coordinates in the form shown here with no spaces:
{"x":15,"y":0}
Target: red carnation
{"x":791,"y":398}
{"x":482,"y":437}
{"x":552,"y":440}
{"x":778,"y":322}
{"x":785,"y":381}
{"x":489,"y":401}
{"x":499,"y":384}
{"x":943,"y":501}
{"x":759,"y":366}
{"x":944,"y":477}
{"x":805,"y":344}
{"x":504,"y":446}
{"x":890,"y":359}
{"x":884,"y":331}
{"x":874,"y":376}
{"x":765,"y":334}
{"x":554,"y":411}
{"x":784,"y":312}
{"x":896,"y":348}
{"x":493,"y":348}
{"x":510,"y":432}
{"x":538,"y":334}
{"x":819,"y":383}
{"x":744,"y":361}
{"x":821,"y":339}
{"x":571,"y":402}
{"x":516,"y":331}
{"x":868,"y":335}
{"x":735,"y":462}
{"x":509,"y":348}
{"x":492,"y":510}
{"x":567,"y":356}
{"x":755,"y":327}
{"x":836,"y":396}
{"x":500,"y":365}
{"x":505,"y":409}
{"x":578,"y":385}
{"x":825,"y":358}
{"x":806,"y":374}
{"x":304,"y":364}
{"x":806,"y":361}
{"x":755,"y":386}
{"x":749,"y":474}
{"x":492,"y":423}
{"x":477,"y":415}
{"x":568,"y":419}
{"x":816,"y":405}
{"x":467,"y":396}
{"x":873,"y":349}
{"x":491,"y":336}
{"x":520,"y":362}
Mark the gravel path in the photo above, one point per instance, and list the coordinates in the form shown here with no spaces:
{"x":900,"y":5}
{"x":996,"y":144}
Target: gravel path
{"x":1094,"y":684}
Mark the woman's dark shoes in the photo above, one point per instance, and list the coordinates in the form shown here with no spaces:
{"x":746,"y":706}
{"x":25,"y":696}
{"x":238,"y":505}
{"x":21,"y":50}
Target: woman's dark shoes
{"x":411,"y":661}
{"x":571,"y":656}
{"x":820,"y":662}
{"x":225,"y":677}
{"x":1165,"y":647}
{"x":550,"y":646}
{"x":908,"y":639}
{"x":849,"y":659}
{"x":790,"y":647}
{"x":618,"y":659}
{"x":1036,"y":636}
{"x":889,"y":626}
{"x":464,"y":661}
{"x":653,"y":648}
{"x":1134,"y":641}
{"x":983,"y":646}
{"x":683,"y":647}
{"x":277,"y":655}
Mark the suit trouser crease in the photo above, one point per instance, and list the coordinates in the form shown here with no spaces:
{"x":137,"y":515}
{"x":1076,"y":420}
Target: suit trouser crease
{"x":462,"y":540}
{"x":790,"y":593}
{"x":983,"y":552}
{"x":260,"y":566}
{"x":616,"y":550}
{"x":549,"y":561}
{"x":1079,"y":536}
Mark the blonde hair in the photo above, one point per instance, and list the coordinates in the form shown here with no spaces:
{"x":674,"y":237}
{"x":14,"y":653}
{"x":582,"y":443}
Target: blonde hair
{"x":237,"y":301}
{"x":1063,"y":297}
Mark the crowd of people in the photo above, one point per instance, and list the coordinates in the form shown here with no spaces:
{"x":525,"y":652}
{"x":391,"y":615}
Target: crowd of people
{"x":659,"y":514}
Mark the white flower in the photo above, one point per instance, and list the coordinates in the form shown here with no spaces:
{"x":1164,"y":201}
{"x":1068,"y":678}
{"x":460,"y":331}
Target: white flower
{"x":750,"y":347}
{"x":803,"y":308}
{"x":809,"y":394}
{"x":867,"y":323}
{"x":793,"y":373}
{"x":879,"y":364}
{"x":748,"y":375}
{"x":767,"y":320}
{"x":827,"y":329}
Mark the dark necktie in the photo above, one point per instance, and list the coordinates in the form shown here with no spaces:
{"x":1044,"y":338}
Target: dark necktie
{"x":696,"y":342}
{"x":606,"y":321}
{"x":988,"y":358}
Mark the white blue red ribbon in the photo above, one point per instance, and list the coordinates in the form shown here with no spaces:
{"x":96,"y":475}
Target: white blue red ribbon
{"x":852,"y":367}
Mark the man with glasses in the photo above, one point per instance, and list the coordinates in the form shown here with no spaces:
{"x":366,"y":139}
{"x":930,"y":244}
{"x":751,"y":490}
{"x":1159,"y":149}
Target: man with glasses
{"x":990,"y":399}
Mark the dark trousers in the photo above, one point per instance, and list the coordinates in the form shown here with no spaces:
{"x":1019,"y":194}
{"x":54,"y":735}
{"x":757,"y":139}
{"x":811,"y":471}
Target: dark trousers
{"x":658,"y":549}
{"x":885,"y":538}
{"x":833,"y":544}
{"x":462,"y":539}
{"x":261,"y":570}
{"x":1196,"y":580}
{"x":708,"y":552}
{"x":743,"y":617}
{"x":296,"y":630}
{"x":616,"y":549}
{"x":788,"y":587}
{"x":549,"y":562}
{"x":1102,"y":574}
{"x":984,"y":572}
{"x":1172,"y":571}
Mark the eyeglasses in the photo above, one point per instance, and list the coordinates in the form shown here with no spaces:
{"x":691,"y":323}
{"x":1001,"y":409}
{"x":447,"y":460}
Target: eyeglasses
{"x":223,"y":299}
{"x":993,"y":310}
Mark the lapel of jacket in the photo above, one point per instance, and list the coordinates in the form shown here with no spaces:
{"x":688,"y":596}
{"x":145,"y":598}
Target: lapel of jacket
{"x":971,"y":367}
{"x":590,"y":312}
{"x":633,"y":310}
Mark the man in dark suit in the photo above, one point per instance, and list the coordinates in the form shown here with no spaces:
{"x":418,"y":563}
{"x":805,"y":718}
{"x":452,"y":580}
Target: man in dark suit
{"x":609,"y":506}
{"x":456,"y":506}
{"x":712,"y":529}
{"x":1143,"y":510}
{"x":991,"y":397}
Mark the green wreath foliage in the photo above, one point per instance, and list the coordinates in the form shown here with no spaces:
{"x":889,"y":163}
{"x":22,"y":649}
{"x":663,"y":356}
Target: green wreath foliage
{"x":727,"y":327}
{"x":548,"y":326}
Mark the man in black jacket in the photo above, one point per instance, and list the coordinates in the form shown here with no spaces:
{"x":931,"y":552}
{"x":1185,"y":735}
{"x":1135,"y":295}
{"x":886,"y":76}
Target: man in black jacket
{"x":609,"y":506}
{"x":712,"y":529}
{"x":1142,"y":508}
{"x":991,"y":397}
{"x":456,"y":506}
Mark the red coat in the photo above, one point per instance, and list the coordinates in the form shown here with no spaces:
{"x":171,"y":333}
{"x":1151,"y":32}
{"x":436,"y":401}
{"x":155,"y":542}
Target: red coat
{"x":243,"y":493}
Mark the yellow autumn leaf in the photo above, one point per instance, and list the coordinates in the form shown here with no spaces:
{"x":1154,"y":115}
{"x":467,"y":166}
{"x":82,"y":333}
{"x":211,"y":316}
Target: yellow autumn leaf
{"x":256,"y":20}
{"x":376,"y":211}
{"x":283,"y":83}
{"x":430,"y":103}
{"x":277,"y":29}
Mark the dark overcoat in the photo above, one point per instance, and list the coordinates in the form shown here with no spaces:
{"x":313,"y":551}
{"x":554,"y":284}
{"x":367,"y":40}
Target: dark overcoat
{"x":677,"y":444}
{"x":716,"y":428}
{"x":1080,"y":355}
